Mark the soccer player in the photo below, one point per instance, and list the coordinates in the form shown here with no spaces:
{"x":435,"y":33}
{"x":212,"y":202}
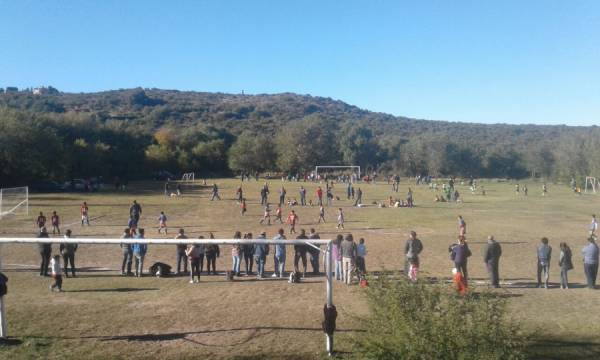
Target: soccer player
{"x":319,"y":196}
{"x":41,"y":220}
{"x":85,"y":214}
{"x":292,"y":220}
{"x":321,"y":214}
{"x":278,"y":214}
{"x":55,"y":220}
{"x":215,"y":193}
{"x":240,"y":194}
{"x":267,"y":215}
{"x":340,"y":224}
{"x":162,"y":222}
{"x":243,"y":205}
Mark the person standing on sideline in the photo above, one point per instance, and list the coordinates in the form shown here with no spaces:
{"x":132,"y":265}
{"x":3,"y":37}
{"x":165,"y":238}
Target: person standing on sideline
{"x":460,"y":253}
{"x":302,"y":196}
{"x":243,"y":206}
{"x":212,"y":252}
{"x":544,"y":189}
{"x":359,"y":194}
{"x":85,"y":214}
{"x":181,"y":256}
{"x":336,"y":255}
{"x":279,"y":258}
{"x":135,"y":211}
{"x":264,"y":192}
{"x":193,"y":254}
{"x":544,"y":254}
{"x":361,"y":253}
{"x":348,"y":249}
{"x":282,"y":193}
{"x":565,"y":262}
{"x":593,"y":225}
{"x":248,"y":250}
{"x":491,"y":258}
{"x":41,"y":221}
{"x":56,"y":274}
{"x":260,"y":255}
{"x":300,"y":253}
{"x":215,"y":193}
{"x":127,"y":253}
{"x":236,"y":254}
{"x":412,"y":249}
{"x":162,"y":222}
{"x":590,"y":262}
{"x":462,"y":226}
{"x":319,"y":196}
{"x":314,"y":253}
{"x":349,"y":190}
{"x":321,"y":214}
{"x":340,"y":220}
{"x":45,"y":252}
{"x":67,"y":251}
{"x":139,"y":252}
{"x":240,"y":194}
{"x":55,"y":220}
{"x":292,"y":220}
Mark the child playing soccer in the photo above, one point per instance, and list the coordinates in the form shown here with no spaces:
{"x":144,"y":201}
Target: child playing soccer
{"x":292,"y":220}
{"x":321,"y":214}
{"x":459,"y":282}
{"x":85,"y":214}
{"x":278,"y":214}
{"x":244,"y":209}
{"x":162,"y":222}
{"x":267,"y":215}
{"x":340,"y":224}
{"x":55,"y":220}
{"x":41,"y":220}
{"x":56,"y":273}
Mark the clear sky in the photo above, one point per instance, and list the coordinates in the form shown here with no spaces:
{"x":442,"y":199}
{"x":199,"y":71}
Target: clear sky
{"x":475,"y":61}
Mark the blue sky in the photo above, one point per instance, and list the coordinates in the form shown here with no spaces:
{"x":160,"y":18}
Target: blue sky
{"x":473,"y":61}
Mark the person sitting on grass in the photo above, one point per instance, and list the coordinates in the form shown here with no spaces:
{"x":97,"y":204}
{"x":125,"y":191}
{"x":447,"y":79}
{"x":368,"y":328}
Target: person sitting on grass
{"x":56,"y":274}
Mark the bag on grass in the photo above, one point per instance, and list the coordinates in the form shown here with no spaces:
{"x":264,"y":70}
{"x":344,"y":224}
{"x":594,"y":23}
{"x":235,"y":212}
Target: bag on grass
{"x":160,"y":269}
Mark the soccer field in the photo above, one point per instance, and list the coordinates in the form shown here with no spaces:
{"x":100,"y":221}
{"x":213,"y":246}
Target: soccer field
{"x":102,"y":314}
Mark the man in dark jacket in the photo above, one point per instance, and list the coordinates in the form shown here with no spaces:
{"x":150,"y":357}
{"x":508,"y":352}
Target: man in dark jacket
{"x":412,"y":249}
{"x":300,"y":253}
{"x":459,"y":254}
{"x":314,"y":253}
{"x":67,"y":250}
{"x":135,"y":211}
{"x":260,"y":255}
{"x":181,"y":256}
{"x":45,"y":252}
{"x":491,"y":257}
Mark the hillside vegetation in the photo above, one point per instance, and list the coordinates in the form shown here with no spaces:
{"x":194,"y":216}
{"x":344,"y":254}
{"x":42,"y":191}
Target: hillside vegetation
{"x":132,"y":133}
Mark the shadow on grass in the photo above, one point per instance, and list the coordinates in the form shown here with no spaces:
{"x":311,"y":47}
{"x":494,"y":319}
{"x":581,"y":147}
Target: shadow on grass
{"x":113,"y":290}
{"x":559,"y":349}
{"x":10,"y":342}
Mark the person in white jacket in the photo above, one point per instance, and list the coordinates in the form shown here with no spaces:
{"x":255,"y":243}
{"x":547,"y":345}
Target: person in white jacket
{"x":56,"y":273}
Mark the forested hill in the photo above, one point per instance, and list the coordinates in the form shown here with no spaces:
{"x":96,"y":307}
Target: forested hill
{"x":137,"y":131}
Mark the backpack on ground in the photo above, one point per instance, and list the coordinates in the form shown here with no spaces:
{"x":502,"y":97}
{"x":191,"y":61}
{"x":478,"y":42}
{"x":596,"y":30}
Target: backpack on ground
{"x":160,"y":269}
{"x":294,"y":277}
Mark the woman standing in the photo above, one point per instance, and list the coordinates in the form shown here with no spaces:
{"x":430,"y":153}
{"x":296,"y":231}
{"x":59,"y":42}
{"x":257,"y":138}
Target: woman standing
{"x":236,"y":254}
{"x":565,"y":264}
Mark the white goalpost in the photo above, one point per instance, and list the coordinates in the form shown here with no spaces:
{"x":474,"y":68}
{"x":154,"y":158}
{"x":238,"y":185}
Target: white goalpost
{"x":351,"y":167}
{"x":592,"y":181}
{"x":314,"y":243}
{"x":188,"y":177}
{"x":14,"y":201}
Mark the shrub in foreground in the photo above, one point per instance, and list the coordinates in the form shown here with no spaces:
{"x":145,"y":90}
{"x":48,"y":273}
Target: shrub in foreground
{"x":430,"y":321}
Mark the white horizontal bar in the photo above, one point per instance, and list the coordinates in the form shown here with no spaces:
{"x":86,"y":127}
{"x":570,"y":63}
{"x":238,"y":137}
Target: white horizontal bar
{"x":60,"y":240}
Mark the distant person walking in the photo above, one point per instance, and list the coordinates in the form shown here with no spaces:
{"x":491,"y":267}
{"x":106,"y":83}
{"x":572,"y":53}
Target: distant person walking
{"x":55,"y":220}
{"x":590,"y":262}
{"x":162,"y":222}
{"x":462,"y":226}
{"x":302,"y":196}
{"x":565,"y":262}
{"x":491,"y":258}
{"x":292,"y":220}
{"x":544,"y":254}
{"x":135,"y":211}
{"x":321,"y":214}
{"x":412,"y":248}
{"x":593,"y":225}
{"x":67,"y":250}
{"x":340,"y":219}
{"x":359,"y":194}
{"x":215,"y":193}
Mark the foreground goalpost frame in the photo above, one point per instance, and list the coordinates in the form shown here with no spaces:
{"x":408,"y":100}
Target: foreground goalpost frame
{"x":327,"y":242}
{"x":337,"y":167}
{"x":21,"y":203}
{"x":591,"y":180}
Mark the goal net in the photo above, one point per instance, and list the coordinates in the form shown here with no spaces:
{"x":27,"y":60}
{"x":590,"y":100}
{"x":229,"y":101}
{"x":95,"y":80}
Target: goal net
{"x":353,"y":171}
{"x":188,"y":177}
{"x":14,"y":201}
{"x":590,"y":182}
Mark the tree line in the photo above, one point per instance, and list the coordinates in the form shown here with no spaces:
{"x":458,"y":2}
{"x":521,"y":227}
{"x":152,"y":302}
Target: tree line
{"x":133,"y":133}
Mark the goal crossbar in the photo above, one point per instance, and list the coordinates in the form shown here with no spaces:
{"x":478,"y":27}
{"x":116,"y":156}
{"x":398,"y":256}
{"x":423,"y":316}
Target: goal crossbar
{"x":58,"y":240}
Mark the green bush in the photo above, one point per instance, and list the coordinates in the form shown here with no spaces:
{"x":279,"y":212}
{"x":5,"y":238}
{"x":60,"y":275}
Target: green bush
{"x":430,"y":321}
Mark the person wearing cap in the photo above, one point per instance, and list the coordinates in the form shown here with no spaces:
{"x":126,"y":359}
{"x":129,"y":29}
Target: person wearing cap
{"x":491,"y":258}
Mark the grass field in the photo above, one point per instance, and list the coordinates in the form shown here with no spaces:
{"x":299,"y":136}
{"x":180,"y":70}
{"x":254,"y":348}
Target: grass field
{"x":104,"y":315}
